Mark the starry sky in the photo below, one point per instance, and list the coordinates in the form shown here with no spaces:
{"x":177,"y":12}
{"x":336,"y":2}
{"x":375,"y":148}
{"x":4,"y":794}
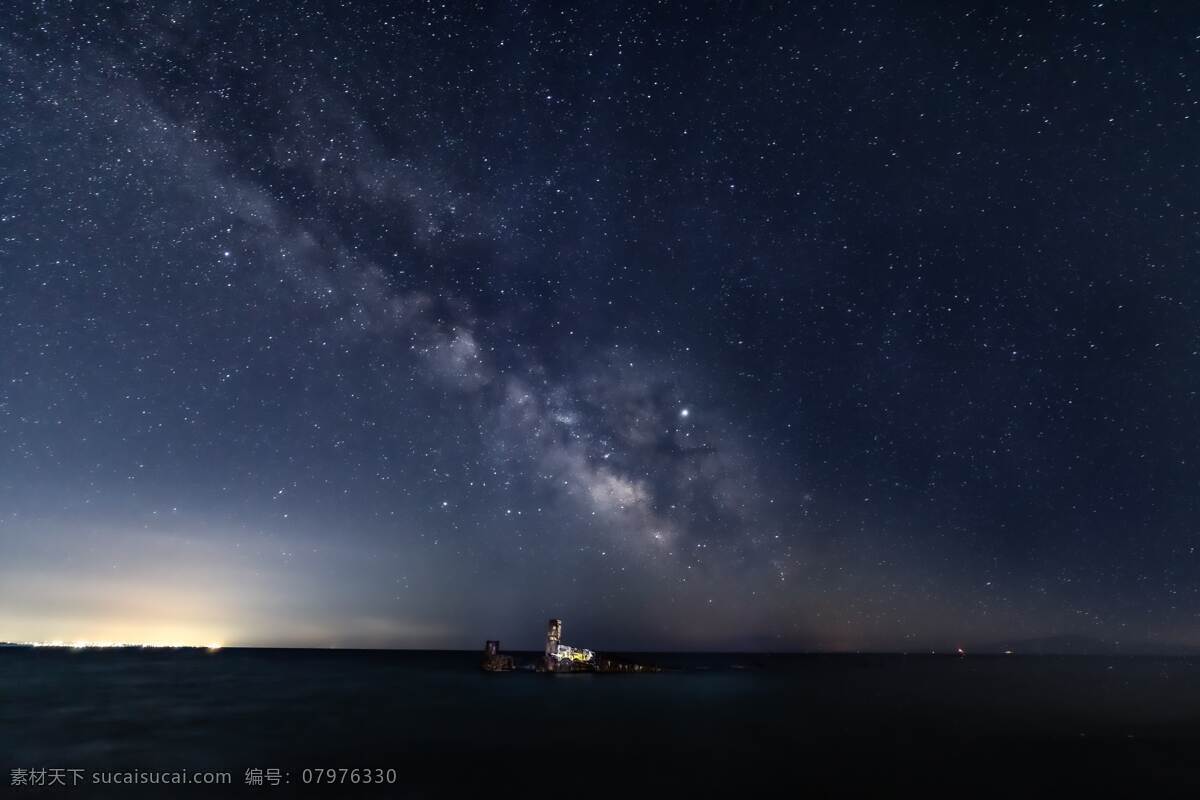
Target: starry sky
{"x":787,"y":327}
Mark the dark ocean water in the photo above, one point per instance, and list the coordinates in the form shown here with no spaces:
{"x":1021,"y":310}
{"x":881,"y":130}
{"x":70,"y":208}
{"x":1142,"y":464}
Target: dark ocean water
{"x":714,"y":725}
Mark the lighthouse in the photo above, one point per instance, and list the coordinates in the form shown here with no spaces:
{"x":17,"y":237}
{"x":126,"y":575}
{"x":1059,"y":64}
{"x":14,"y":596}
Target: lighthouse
{"x":553,"y":637}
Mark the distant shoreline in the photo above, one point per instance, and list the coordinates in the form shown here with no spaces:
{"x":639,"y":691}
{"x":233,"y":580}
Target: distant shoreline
{"x":750,"y":654}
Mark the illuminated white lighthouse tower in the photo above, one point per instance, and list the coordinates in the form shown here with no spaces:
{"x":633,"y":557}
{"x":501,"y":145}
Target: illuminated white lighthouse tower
{"x":553,"y":637}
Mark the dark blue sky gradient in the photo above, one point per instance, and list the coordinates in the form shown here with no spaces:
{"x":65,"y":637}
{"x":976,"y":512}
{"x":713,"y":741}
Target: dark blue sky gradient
{"x":849,"y":326}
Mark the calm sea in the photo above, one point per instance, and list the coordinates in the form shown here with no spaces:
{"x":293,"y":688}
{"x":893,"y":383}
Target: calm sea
{"x":431,"y":724}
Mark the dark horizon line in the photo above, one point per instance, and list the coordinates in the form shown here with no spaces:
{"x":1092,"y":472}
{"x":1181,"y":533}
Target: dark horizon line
{"x":1178,"y":652}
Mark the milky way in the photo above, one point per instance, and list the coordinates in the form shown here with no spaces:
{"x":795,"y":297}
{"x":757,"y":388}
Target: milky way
{"x":813,"y":328}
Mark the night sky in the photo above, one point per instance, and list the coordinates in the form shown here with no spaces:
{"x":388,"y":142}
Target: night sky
{"x":847,"y":326}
